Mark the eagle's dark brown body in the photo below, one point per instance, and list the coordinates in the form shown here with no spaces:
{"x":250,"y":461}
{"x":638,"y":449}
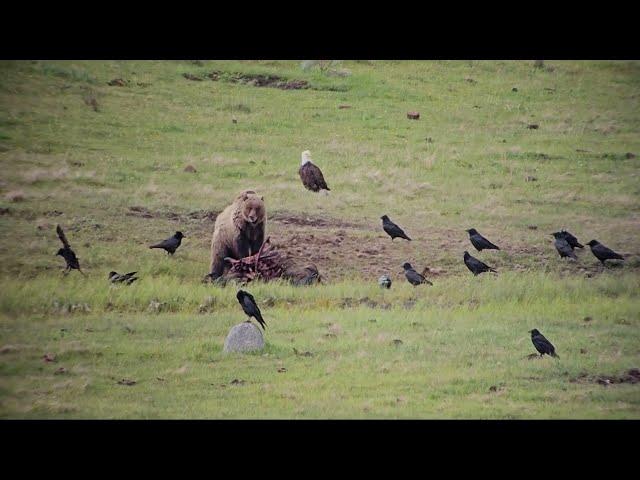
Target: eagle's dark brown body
{"x":312,"y":177}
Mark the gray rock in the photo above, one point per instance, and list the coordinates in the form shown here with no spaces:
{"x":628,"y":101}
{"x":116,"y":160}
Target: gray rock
{"x":244,"y":337}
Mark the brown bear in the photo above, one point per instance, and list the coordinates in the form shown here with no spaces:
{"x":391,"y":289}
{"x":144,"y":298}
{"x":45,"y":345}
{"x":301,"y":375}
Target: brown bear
{"x":238,"y":232}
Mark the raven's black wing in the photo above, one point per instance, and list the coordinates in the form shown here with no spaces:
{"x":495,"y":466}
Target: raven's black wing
{"x":415,"y":278}
{"x":169,"y":243}
{"x":62,"y":237}
{"x":543,"y":345}
{"x":605,"y":253}
{"x":251,"y":308}
{"x":564,"y":249}
{"x":480,"y":243}
{"x":478,"y":266}
{"x":73,"y":260}
{"x":572,"y":240}
{"x":394,"y":230}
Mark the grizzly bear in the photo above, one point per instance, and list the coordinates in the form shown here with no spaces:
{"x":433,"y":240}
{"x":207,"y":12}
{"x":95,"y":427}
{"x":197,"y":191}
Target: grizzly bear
{"x":238,"y":232}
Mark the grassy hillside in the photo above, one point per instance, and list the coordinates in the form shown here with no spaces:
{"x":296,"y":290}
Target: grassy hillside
{"x":108,"y":164}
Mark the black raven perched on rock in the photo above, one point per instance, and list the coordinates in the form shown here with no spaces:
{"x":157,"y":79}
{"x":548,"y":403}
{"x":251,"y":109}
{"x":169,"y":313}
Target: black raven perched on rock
{"x":603,"y":253}
{"x":128,"y":278}
{"x":413,"y":277}
{"x":476,"y":266}
{"x":68,"y":254}
{"x":480,"y":242}
{"x":542,"y":344}
{"x":571,"y":240}
{"x":563,"y":247}
{"x":248,"y":304}
{"x":392,"y":229}
{"x":171,"y":244}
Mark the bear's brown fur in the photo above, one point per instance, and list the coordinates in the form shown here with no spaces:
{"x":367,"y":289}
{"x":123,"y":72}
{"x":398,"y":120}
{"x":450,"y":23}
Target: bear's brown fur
{"x":238,"y":232}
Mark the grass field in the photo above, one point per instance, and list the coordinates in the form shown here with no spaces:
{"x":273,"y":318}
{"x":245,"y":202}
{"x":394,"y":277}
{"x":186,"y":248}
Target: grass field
{"x":108,"y":164}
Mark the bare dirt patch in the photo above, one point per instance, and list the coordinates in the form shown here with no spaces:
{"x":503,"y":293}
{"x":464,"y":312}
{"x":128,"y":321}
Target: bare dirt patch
{"x":257,"y":80}
{"x":310,"y":221}
{"x":199,"y":215}
{"x":631,"y":376}
{"x":143,"y":212}
{"x":260,"y":80}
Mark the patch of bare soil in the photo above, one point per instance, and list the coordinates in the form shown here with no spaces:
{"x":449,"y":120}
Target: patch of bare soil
{"x":310,"y":221}
{"x":258,"y":80}
{"x":197,"y":215}
{"x":117,"y":82}
{"x":342,"y":249}
{"x":136,"y":211}
{"x":630,"y":376}
{"x":209,"y":215}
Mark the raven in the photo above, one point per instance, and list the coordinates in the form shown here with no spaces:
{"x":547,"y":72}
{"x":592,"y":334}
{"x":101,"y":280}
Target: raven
{"x":392,"y":229}
{"x":480,"y":242}
{"x":68,"y":254}
{"x":603,"y":253}
{"x":476,"y":266}
{"x":542,"y":344}
{"x":171,"y":244}
{"x":248,"y":304}
{"x":563,"y":247}
{"x":413,"y":277}
{"x":128,"y":278}
{"x":571,"y":240}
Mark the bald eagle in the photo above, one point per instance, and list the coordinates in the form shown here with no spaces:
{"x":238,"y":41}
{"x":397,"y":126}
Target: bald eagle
{"x":310,"y":174}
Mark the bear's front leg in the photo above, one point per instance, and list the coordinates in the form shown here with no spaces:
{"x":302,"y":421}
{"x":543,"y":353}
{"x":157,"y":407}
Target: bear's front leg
{"x":218,"y":264}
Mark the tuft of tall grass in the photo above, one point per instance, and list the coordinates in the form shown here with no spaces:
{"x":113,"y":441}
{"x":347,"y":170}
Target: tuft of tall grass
{"x":509,"y":290}
{"x":72,"y":72}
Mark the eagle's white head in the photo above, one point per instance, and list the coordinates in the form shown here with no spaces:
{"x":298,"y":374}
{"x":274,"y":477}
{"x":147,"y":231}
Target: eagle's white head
{"x":306,"y":157}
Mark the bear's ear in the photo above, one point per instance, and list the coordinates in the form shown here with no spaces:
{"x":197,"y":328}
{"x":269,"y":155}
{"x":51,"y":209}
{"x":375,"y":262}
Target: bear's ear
{"x":262,"y":198}
{"x":245,"y":196}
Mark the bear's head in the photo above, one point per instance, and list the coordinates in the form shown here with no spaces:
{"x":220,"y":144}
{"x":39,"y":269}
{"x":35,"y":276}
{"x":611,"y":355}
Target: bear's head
{"x":252,"y":208}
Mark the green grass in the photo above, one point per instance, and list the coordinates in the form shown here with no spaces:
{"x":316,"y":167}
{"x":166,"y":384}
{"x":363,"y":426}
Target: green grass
{"x":459,"y":338}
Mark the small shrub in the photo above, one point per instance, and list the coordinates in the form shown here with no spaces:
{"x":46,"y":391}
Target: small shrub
{"x":325,"y":66}
{"x":70,"y":73}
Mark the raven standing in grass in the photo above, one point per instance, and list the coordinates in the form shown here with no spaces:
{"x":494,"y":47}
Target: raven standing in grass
{"x":392,"y":229}
{"x":476,"y":266}
{"x":603,"y":253}
{"x":171,"y":244}
{"x":248,"y":304}
{"x":542,"y":344}
{"x":571,"y":240}
{"x":68,"y":254}
{"x":480,"y":242}
{"x":563,"y":247}
{"x":413,"y":277}
{"x":128,"y":278}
